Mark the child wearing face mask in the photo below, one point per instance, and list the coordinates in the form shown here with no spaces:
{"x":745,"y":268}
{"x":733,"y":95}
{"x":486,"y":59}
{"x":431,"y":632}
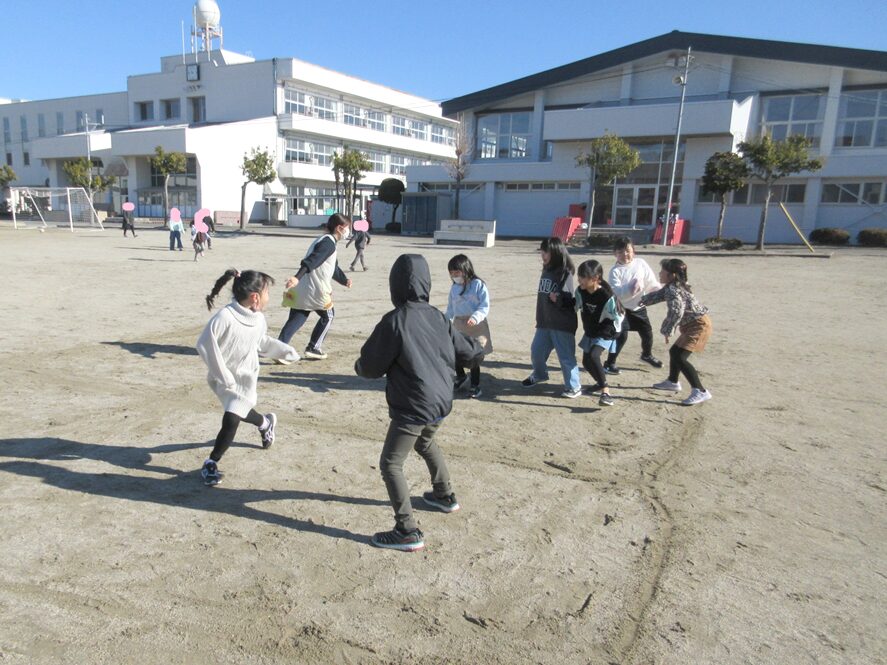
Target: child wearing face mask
{"x":468,"y":307}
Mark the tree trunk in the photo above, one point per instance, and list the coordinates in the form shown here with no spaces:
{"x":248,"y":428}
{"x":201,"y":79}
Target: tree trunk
{"x":721,"y":216}
{"x":394,"y":212}
{"x":243,"y":205}
{"x":458,"y":192}
{"x":590,"y":210}
{"x":763,"y":226}
{"x":166,"y":196}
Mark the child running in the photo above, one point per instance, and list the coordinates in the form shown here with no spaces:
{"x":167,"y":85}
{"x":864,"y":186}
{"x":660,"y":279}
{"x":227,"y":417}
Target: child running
{"x":230,"y":345}
{"x":686,"y":314}
{"x":602,"y":317}
{"x":468,"y":307}
{"x":360,"y":239}
{"x":418,"y":350}
{"x":198,"y":241}
{"x":556,"y":320}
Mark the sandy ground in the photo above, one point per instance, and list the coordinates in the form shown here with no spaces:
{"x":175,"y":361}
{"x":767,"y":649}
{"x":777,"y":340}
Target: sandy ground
{"x":750,"y":529}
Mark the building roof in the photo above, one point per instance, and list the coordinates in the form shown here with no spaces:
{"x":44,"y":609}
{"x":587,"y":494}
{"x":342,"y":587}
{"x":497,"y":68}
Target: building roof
{"x":675,"y":40}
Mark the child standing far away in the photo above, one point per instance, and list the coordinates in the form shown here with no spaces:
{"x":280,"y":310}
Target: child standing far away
{"x":556,"y":320}
{"x":360,"y":239}
{"x":468,"y":307}
{"x":602,"y":317}
{"x":630,"y":279}
{"x":686,"y":314}
{"x":418,"y":350}
{"x":230,"y":345}
{"x":176,"y":229}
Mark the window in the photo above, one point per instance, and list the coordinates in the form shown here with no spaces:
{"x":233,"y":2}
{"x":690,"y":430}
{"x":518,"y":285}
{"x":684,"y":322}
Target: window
{"x":311,"y":200}
{"x":59,"y":122}
{"x":295,"y":102}
{"x":9,"y":159}
{"x":99,"y":117}
{"x":186,"y":179}
{"x":376,"y":120}
{"x":377,"y":159}
{"x":41,"y":125}
{"x":171,"y":108}
{"x":399,"y":164}
{"x":853,"y":192}
{"x":198,"y":109}
{"x":23,"y":122}
{"x":354,"y":115}
{"x":144,"y":111}
{"x":325,"y":109}
{"x":81,"y":121}
{"x":419,"y":129}
{"x":399,"y":125}
{"x":794,"y":115}
{"x":541,"y":186}
{"x":308,"y":152}
{"x":27,"y":158}
{"x":7,"y":133}
{"x":862,"y":119}
{"x":503,"y":136}
{"x":755,"y":195}
{"x":443,"y":135}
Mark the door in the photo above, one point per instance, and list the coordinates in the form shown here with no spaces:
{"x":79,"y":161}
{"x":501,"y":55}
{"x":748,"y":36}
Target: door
{"x":634,"y":205}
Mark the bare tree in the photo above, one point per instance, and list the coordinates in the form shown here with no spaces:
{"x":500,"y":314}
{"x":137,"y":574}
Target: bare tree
{"x":458,"y":168}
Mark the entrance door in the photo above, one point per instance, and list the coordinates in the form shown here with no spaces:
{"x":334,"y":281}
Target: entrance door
{"x":634,"y":205}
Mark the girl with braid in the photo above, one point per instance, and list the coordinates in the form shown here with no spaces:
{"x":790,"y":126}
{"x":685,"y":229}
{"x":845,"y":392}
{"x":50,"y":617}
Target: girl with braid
{"x":230,"y":345}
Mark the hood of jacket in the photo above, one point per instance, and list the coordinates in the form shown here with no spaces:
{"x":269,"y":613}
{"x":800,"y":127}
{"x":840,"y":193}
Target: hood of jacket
{"x":410,"y":279}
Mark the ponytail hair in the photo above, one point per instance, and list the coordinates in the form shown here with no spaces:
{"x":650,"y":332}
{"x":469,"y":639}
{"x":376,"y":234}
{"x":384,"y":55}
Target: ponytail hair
{"x":245,"y":283}
{"x":678,"y":270}
{"x":335,"y":221}
{"x":592,"y":268}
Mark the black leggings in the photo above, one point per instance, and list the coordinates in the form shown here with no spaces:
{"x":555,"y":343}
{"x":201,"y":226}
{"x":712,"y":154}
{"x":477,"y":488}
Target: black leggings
{"x":225,"y":437}
{"x":638,"y":321}
{"x":679,"y":363}
{"x":474,"y":371}
{"x":592,"y":362}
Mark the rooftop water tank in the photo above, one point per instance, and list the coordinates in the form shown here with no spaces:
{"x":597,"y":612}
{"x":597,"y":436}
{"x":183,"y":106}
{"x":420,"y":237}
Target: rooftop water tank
{"x":208,"y":13}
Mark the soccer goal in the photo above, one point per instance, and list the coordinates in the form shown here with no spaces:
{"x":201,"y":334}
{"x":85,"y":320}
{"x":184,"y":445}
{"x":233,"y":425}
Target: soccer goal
{"x":62,"y":205}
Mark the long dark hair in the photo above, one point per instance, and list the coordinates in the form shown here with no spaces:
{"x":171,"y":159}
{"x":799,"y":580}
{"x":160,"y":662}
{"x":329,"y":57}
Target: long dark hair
{"x":335,"y":221}
{"x":245,"y":283}
{"x":462,"y":263}
{"x":678,"y":270}
{"x":558,"y":256}
{"x":592,"y":268}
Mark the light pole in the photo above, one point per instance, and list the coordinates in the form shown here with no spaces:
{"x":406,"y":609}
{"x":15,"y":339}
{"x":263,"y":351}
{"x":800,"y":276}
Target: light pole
{"x":682,"y":81}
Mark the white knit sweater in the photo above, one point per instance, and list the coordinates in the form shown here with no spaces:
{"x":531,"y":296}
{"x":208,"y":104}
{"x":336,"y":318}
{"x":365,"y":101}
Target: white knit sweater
{"x":230,"y":345}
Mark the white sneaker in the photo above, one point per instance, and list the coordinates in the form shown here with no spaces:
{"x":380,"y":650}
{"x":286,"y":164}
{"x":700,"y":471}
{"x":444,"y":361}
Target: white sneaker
{"x":315,"y":355}
{"x":697,"y":397}
{"x":281,"y":361}
{"x":569,"y":393}
{"x":673,"y":386}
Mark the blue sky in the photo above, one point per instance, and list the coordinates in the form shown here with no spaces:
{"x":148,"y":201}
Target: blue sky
{"x":439,"y":50}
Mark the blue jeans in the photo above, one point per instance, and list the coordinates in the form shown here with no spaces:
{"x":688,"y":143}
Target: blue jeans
{"x":175,"y":237}
{"x":561,"y":342}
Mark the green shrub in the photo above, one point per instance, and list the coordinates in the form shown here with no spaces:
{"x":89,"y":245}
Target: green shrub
{"x":723,"y":243}
{"x":600,"y":240}
{"x":872,"y":237}
{"x":829,"y":236}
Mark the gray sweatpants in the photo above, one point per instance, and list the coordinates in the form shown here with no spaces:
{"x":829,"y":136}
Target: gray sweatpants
{"x":359,"y":256}
{"x":400,"y":438}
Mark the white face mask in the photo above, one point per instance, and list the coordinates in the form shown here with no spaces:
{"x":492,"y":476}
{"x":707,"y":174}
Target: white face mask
{"x":345,"y":234}
{"x":458,"y":280}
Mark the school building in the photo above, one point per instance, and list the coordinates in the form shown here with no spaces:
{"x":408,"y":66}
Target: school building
{"x":215,"y":105}
{"x":528,"y":132}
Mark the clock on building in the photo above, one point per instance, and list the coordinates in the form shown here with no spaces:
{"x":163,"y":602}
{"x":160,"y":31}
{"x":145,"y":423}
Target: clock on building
{"x":192,"y":72}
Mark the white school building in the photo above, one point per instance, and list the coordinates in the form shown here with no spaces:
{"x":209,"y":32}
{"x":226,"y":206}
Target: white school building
{"x":215,"y":105}
{"x":528,"y":132}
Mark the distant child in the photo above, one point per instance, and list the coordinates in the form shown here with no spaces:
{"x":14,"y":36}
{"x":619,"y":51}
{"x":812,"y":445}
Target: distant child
{"x":556,"y":320}
{"x":128,"y":224}
{"x":687,"y":315}
{"x":630,"y":279}
{"x":418,"y":350}
{"x":198,"y":241}
{"x":211,"y":230}
{"x":468,"y":307}
{"x":230,"y":345}
{"x":176,"y":229}
{"x":602,"y":317}
{"x":360,"y":239}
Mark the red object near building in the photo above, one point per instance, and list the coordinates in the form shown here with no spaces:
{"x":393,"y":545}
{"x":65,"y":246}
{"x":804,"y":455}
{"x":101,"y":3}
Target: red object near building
{"x":577,"y":210}
{"x":678,"y":232}
{"x":565,"y":227}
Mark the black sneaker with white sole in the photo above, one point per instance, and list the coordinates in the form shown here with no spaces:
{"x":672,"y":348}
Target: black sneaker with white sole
{"x":268,"y":432}
{"x":612,"y":369}
{"x":447,"y":504}
{"x":404,"y":541}
{"x":652,"y":361}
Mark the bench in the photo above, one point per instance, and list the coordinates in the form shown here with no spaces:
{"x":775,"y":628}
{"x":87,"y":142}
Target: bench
{"x":481,"y":233}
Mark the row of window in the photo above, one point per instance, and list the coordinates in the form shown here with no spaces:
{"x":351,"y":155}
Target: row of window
{"x":308,"y":200}
{"x":81,"y":119}
{"x":540,"y":186}
{"x":856,"y":192}
{"x":326,"y":108}
{"x":756,"y":193}
{"x":26,"y":159}
{"x":171,"y":109}
{"x":316,"y":152}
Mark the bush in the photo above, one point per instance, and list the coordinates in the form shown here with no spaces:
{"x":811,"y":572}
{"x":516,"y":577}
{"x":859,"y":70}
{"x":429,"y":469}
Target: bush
{"x":723,"y":243}
{"x":829,"y":236}
{"x":872,"y":237}
{"x":393,"y":227}
{"x":598,"y":240}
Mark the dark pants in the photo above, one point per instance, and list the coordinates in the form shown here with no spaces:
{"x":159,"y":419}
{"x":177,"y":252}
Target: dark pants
{"x":679,"y":363}
{"x":129,"y":226}
{"x":638,"y":321}
{"x":297,"y":319}
{"x":474,"y":371}
{"x":400,"y":438}
{"x":175,"y":237}
{"x":359,"y":257}
{"x":592,"y":362}
{"x":225,"y":437}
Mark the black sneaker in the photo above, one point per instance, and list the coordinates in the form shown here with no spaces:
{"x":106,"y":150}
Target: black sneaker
{"x":605,"y":400}
{"x":411,"y":541}
{"x":268,"y":433}
{"x":612,"y":369}
{"x":474,"y":392}
{"x":210,"y":473}
{"x":652,"y":361}
{"x":591,"y":390}
{"x":447,"y":504}
{"x":531,"y":381}
{"x":460,"y":382}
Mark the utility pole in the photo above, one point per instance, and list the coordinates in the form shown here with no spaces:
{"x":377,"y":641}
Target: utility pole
{"x":682,"y":81}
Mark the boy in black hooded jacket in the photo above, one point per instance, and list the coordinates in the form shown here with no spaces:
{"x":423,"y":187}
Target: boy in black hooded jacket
{"x":418,"y":349}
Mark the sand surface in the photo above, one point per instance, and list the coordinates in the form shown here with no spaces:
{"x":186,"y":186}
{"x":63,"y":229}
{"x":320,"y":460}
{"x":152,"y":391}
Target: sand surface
{"x":750,"y":529}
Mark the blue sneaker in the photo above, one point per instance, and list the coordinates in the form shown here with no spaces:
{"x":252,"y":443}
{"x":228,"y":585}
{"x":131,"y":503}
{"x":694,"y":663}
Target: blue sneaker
{"x":210,"y":473}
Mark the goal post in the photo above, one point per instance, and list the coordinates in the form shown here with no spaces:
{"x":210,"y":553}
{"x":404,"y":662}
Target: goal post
{"x":63,"y":205}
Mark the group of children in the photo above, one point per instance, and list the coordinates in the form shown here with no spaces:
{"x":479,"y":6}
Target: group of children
{"x":425,"y":353}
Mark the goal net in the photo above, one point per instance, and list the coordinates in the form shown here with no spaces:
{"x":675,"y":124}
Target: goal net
{"x":68,"y":206}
